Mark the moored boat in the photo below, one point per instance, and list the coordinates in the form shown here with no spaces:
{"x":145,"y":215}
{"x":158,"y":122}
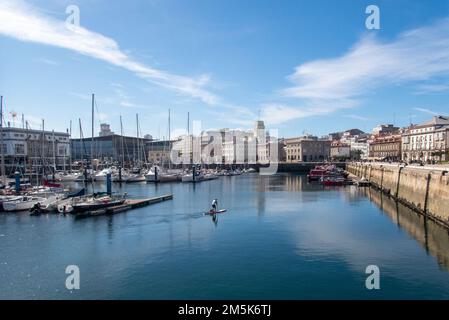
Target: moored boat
{"x":6,"y":199}
{"x":157,"y":175}
{"x":22,"y":203}
{"x":135,"y":177}
{"x":101,"y":176}
{"x":193,"y":177}
{"x":333,"y":181}
{"x":321,"y":172}
{"x":89,"y":203}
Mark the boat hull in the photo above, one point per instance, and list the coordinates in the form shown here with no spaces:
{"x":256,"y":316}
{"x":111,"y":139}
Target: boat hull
{"x":137,"y":179}
{"x":13,"y":206}
{"x":333,"y":183}
{"x":95,"y":206}
{"x":162,"y":178}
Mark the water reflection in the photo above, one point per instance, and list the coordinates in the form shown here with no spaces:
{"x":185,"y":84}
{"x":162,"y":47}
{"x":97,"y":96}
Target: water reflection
{"x":431,"y":236}
{"x":215,"y":219}
{"x":282,"y":238}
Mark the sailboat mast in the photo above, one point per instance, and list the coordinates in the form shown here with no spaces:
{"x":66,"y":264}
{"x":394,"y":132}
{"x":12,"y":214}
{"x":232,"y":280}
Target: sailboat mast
{"x":82,"y":152}
{"x":3,"y":149}
{"x":169,"y":129}
{"x":43,"y":148}
{"x":53,"y":147}
{"x":191,"y":146}
{"x":70,"y":149}
{"x":138,"y":142}
{"x":122,"y":144}
{"x":92,"y":140}
{"x":92,"y":144}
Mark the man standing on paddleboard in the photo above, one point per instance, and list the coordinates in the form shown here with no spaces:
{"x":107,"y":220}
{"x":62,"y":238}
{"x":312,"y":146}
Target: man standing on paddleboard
{"x":215,"y":205}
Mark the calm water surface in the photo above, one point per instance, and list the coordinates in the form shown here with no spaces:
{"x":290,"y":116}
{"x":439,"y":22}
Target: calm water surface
{"x":282,"y":238}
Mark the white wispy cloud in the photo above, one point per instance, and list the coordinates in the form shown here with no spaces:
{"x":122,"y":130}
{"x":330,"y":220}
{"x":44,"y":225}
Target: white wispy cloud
{"x":49,"y":62}
{"x":413,"y":58}
{"x":416,"y":55}
{"x":277,"y":113}
{"x":274,"y":114}
{"x":356,"y":117}
{"x":128,"y":104}
{"x":81,"y":96}
{"x":432,"y":88}
{"x":428,"y":111}
{"x":22,"y":21}
{"x":124,"y":100}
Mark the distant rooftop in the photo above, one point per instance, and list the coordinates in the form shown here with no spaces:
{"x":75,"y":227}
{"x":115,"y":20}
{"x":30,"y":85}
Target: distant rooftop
{"x":436,"y":120}
{"x":33,"y":131}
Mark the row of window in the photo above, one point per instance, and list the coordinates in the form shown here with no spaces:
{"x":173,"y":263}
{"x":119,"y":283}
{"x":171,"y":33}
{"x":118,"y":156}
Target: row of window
{"x":35,"y":136}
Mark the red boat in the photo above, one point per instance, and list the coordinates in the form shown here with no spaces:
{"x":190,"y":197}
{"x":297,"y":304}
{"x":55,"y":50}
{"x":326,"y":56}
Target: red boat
{"x":316,"y":174}
{"x":320,"y":172}
{"x":48,"y":184}
{"x":333,"y":181}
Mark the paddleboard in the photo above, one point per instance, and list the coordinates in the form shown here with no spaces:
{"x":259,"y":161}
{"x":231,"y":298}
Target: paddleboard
{"x":210,"y":213}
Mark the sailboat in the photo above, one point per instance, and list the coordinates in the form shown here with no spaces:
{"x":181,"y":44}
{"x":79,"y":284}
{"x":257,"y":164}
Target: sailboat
{"x":71,"y":176}
{"x":137,"y":175}
{"x":158,"y":174}
{"x":23,"y":203}
{"x":2,"y":154}
{"x":102,"y":175}
{"x":193,"y":176}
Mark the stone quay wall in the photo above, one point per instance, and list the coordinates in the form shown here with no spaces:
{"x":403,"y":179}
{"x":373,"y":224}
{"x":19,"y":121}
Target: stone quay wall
{"x":426,"y":190}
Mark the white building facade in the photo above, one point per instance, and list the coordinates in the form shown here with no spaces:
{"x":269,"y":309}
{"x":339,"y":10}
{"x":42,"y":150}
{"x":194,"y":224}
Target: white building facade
{"x":29,"y":151}
{"x":427,"y":142}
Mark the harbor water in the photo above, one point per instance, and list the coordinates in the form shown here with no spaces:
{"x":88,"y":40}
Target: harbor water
{"x":281,"y":238}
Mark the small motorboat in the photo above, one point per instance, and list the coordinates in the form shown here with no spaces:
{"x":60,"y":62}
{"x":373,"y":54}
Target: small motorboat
{"x":212,"y":212}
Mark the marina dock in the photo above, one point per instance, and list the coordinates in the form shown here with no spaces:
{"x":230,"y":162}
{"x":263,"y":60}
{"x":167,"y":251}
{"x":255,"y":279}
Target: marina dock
{"x":129,"y":204}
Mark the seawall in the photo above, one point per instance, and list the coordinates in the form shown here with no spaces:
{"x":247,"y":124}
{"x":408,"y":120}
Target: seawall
{"x":425,"y":190}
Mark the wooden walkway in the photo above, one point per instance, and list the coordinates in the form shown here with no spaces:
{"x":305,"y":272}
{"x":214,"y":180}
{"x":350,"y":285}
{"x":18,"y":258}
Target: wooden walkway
{"x":129,"y":204}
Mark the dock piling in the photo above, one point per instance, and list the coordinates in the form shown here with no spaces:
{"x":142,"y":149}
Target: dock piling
{"x":109,"y":184}
{"x":17,"y":179}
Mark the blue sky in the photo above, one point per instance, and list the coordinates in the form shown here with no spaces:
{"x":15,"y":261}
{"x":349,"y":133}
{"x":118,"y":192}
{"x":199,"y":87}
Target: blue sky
{"x":304,"y":66}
